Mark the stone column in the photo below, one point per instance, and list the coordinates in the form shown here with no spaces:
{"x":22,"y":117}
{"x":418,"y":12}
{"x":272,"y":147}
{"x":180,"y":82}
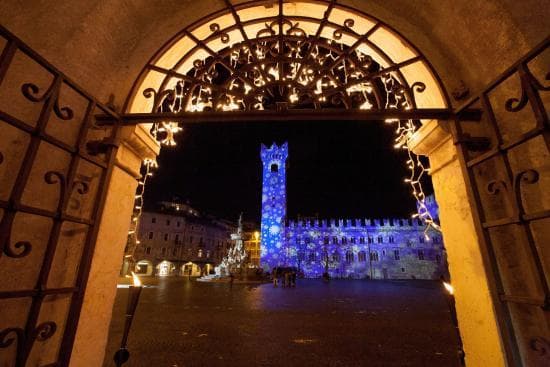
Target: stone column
{"x":475,"y":307}
{"x":93,"y":327}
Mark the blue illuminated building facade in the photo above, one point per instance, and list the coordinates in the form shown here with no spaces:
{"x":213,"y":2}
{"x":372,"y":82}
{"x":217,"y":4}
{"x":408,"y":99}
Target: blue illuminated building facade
{"x":345,"y":248}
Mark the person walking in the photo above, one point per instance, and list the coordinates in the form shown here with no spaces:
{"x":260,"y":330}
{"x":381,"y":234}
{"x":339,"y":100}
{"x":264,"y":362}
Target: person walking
{"x":274,"y":276}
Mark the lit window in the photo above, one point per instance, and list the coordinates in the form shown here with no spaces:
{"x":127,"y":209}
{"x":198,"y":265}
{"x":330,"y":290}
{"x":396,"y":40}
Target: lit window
{"x":200,"y":253}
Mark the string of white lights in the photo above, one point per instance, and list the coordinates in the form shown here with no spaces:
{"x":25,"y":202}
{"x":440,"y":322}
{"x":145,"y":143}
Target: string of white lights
{"x":405,"y":129}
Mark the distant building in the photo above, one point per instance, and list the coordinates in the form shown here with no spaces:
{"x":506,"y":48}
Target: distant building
{"x":350,"y":248}
{"x":251,"y":237}
{"x":175,"y":239}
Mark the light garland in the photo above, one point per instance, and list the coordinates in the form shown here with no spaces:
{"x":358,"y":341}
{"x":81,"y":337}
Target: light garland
{"x":404,"y":131}
{"x":318,"y":74}
{"x":146,"y":168}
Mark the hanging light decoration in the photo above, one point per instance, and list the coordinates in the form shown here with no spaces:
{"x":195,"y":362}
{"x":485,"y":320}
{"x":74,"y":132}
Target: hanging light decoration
{"x":299,"y":71}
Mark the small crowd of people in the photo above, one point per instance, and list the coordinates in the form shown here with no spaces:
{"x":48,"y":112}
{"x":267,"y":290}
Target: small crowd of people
{"x":284,"y":275}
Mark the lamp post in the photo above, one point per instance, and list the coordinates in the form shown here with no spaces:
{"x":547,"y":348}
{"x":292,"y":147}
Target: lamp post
{"x":449,"y":295}
{"x":134,"y":291}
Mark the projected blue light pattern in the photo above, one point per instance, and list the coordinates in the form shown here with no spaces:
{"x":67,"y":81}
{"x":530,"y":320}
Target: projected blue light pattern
{"x":344,"y":248}
{"x":273,"y":249}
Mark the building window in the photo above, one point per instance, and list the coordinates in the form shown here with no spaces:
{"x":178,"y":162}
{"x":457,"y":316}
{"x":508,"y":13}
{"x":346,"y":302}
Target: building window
{"x":200,"y":253}
{"x":380,"y":239}
{"x":396,"y":254}
{"x":420,"y":255}
{"x":370,"y":240}
{"x":402,"y":270}
{"x":153,"y":220}
{"x":167,"y":222}
{"x":178,"y":224}
{"x":207,"y":253}
{"x":308,"y":240}
{"x":437,"y":239}
{"x":390,"y":239}
{"x":311,"y":256}
{"x":191,"y":239}
{"x":274,"y":168}
{"x":166,"y":236}
{"x":174,"y":251}
{"x":349,"y":257}
{"x":362,"y":256}
{"x":163,"y":251}
{"x":335,"y":257}
{"x":374,"y":256}
{"x":326,"y":240}
{"x":335,"y":240}
{"x":148,"y":250}
{"x":177,"y":239}
{"x":344,"y":240}
{"x":301,"y":256}
{"x":421,"y":239}
{"x":438,"y":258}
{"x":150,"y":235}
{"x":361,"y":239}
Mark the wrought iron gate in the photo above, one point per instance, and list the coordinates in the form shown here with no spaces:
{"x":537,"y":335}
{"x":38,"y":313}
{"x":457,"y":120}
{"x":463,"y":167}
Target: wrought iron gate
{"x":55,"y":164}
{"x":509,"y":182}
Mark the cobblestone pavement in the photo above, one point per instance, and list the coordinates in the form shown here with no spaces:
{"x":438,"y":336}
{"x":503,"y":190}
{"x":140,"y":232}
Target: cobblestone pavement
{"x":345,"y":323}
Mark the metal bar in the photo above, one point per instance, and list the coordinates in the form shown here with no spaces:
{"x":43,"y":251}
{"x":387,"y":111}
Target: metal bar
{"x":191,"y":118}
{"x":522,"y":300}
{"x":36,"y":292}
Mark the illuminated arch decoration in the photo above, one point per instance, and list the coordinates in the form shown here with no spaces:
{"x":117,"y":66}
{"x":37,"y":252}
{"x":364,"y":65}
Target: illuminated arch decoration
{"x":289,"y":56}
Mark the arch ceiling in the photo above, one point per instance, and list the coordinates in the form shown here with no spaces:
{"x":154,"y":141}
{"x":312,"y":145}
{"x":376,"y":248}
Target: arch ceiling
{"x":291,"y":55}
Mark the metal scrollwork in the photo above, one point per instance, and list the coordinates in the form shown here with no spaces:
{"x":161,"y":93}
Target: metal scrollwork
{"x":31,"y":92}
{"x":529,"y":176}
{"x":44,"y":331}
{"x":541,"y":346}
{"x":25,"y":341}
{"x":215,"y":28}
{"x":54,"y":177}
{"x":17,"y":250}
{"x":496,"y":186}
{"x":292,"y":67}
{"x":528,"y":82}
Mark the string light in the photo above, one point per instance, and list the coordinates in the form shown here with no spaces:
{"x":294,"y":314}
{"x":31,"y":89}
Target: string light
{"x":404,"y":131}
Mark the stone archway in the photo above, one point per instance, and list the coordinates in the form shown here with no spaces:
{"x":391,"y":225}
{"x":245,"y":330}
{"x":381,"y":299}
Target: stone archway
{"x":479,"y":297}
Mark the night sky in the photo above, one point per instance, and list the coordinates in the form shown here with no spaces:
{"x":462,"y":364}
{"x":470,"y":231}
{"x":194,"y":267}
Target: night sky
{"x":335,"y":170}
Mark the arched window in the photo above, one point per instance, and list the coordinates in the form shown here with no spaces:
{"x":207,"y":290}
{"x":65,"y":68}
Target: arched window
{"x":275,"y":168}
{"x":349,"y":257}
{"x":362,"y":256}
